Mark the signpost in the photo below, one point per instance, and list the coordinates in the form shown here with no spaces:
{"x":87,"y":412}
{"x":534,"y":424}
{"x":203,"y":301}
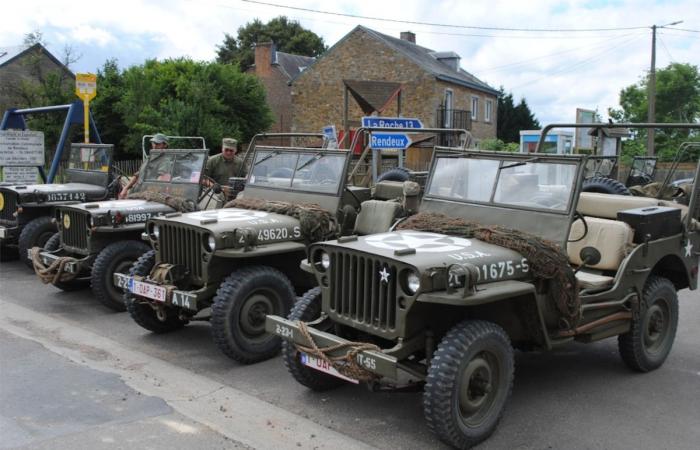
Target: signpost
{"x":86,"y":89}
{"x":21,"y":152}
{"x":391,"y":122}
{"x":380,"y":141}
{"x":331,"y":136}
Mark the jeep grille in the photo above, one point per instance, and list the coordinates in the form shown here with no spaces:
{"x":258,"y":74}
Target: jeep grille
{"x":9,"y":208}
{"x":180,"y":245}
{"x":76,"y":235}
{"x":358,"y":293}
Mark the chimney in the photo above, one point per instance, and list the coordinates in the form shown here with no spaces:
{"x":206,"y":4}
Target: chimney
{"x":408,"y":36}
{"x":263,"y":57}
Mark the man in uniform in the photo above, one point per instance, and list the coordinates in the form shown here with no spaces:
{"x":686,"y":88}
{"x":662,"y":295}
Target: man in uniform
{"x":159,"y":141}
{"x":225,"y":165}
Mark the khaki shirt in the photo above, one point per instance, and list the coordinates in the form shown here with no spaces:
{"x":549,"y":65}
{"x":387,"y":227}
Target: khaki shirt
{"x":220,"y":170}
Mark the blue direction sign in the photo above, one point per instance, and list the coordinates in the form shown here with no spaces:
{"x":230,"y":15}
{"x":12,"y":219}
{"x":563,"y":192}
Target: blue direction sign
{"x":389,"y":140}
{"x":391,"y":122}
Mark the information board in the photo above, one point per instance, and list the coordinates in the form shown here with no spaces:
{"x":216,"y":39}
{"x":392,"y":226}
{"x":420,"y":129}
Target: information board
{"x":21,"y":148}
{"x":20,"y":175}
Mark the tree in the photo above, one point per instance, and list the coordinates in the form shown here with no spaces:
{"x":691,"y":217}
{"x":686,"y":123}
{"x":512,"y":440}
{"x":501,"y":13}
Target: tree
{"x":110,"y":88}
{"x":180,"y":97}
{"x":288,"y":36}
{"x":677,"y":100}
{"x":512,"y":119}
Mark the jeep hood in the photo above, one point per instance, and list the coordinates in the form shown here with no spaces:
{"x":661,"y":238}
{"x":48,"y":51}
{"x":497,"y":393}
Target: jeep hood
{"x":72,"y":191}
{"x":438,"y":250}
{"x":268,"y":227}
{"x":124,"y":207}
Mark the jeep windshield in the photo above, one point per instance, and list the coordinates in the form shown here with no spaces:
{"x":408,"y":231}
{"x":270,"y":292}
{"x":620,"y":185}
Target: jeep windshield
{"x":300,"y":171}
{"x":175,"y":167}
{"x":531,"y":184}
{"x":85,"y":157}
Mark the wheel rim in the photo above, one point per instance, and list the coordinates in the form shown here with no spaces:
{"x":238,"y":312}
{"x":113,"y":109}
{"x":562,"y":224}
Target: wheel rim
{"x":478,"y":388}
{"x":656,"y":327}
{"x":253,"y":312}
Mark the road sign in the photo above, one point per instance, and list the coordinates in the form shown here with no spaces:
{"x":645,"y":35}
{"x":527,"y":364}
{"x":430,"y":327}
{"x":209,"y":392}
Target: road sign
{"x":380,"y":141}
{"x":331,"y":136}
{"x":391,"y":122}
{"x":86,"y":89}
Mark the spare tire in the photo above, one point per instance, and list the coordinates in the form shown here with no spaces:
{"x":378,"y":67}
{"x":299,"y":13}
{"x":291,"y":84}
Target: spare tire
{"x":395,"y":174}
{"x":604,"y":185}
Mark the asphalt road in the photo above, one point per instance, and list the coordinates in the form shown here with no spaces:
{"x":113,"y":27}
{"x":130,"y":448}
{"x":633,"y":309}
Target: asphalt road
{"x":579,"y":397}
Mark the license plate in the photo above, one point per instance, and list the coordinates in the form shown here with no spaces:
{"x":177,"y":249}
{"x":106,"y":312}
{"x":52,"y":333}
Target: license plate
{"x":48,"y":260}
{"x":3,"y":233}
{"x":147,"y":290}
{"x":323,"y":366}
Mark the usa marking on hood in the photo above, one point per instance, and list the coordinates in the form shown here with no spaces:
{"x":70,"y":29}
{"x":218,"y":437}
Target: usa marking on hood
{"x":422,"y":242}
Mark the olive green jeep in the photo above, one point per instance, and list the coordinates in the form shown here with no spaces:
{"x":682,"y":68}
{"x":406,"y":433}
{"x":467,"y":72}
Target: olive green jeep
{"x":505,"y":253}
{"x":26,"y":211}
{"x":97,"y":239}
{"x":241,"y":263}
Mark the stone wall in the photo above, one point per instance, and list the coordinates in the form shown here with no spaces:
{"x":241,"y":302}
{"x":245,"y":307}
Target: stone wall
{"x":317,"y":94}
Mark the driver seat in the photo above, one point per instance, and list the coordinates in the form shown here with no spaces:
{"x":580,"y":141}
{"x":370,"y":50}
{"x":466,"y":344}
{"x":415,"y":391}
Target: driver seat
{"x":613,"y":239}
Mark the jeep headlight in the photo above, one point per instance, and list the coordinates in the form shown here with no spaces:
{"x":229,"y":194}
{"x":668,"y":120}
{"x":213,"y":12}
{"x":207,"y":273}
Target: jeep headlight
{"x":322,"y":260}
{"x":210,"y":245}
{"x":411,"y":281}
{"x":154,"y":231}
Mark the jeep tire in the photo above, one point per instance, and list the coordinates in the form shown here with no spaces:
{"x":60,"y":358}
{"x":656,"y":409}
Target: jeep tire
{"x":469,"y":381}
{"x":114,"y":258}
{"x":648,"y":342}
{"x":35,"y":234}
{"x":73,"y":285}
{"x":142,"y":313}
{"x":307,"y":309}
{"x":604,"y":185}
{"x":240,"y":306}
{"x":395,"y":174}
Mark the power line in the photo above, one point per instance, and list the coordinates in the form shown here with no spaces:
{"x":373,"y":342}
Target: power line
{"x":433,"y":24}
{"x":663,"y":44}
{"x":683,"y":29}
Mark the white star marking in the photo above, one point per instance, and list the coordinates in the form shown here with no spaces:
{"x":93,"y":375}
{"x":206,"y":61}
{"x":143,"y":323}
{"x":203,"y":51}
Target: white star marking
{"x":423,"y":242}
{"x":384,"y":274}
{"x":228,"y":215}
{"x":688,"y":249}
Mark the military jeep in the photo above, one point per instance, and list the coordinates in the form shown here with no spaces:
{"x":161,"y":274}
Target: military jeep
{"x":98,"y":239}
{"x":26,"y":211}
{"x":505,"y":253}
{"x":243,"y":261}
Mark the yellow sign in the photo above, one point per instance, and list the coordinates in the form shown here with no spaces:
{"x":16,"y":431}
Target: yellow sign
{"x":86,"y":85}
{"x":2,"y":201}
{"x":66,"y":221}
{"x":86,"y":89}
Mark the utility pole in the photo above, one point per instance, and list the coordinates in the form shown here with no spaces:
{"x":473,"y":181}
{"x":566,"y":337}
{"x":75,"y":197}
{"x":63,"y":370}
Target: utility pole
{"x":651,"y":88}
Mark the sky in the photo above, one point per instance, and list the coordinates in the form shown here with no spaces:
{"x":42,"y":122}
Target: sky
{"x":556,"y":72}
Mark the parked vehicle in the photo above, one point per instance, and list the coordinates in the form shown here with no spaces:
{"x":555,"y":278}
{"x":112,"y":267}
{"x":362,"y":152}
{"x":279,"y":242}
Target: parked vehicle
{"x":27,"y":211}
{"x":444,"y":299}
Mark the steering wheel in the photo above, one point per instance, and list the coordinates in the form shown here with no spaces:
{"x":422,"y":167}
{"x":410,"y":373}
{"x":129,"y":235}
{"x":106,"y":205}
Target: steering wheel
{"x":577,"y":216}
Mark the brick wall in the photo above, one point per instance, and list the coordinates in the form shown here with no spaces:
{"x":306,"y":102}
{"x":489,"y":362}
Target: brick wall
{"x":317,"y":94}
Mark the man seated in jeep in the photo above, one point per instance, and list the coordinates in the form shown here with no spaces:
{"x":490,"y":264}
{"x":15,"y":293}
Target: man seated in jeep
{"x":159,"y":141}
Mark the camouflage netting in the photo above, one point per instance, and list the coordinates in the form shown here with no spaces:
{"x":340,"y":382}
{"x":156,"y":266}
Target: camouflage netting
{"x":178,"y":203}
{"x":653,"y":189}
{"x":316,"y":223}
{"x":546,"y":259}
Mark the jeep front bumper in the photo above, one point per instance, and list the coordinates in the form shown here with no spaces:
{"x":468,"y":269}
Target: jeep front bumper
{"x":9,"y":234}
{"x":373,"y":361}
{"x":76,"y":266}
{"x":164,"y":294}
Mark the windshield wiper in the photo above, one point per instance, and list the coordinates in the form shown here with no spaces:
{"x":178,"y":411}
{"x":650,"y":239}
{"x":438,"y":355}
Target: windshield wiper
{"x":314,"y":158}
{"x":266,"y":157}
{"x":519,"y":163}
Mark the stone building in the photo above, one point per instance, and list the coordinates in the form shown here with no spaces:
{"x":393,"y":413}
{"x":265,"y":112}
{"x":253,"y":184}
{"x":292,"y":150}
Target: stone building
{"x":430,"y":85}
{"x":275,"y":70}
{"x":23,"y":65}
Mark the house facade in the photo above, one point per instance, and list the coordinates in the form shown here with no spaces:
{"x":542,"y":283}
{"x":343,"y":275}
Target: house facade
{"x":275,"y":70}
{"x":433,"y":87}
{"x":24,"y":65}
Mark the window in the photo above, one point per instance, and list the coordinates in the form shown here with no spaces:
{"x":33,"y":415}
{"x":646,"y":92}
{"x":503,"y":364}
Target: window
{"x":488,"y":110}
{"x":475,"y":108}
{"x":448,"y":108}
